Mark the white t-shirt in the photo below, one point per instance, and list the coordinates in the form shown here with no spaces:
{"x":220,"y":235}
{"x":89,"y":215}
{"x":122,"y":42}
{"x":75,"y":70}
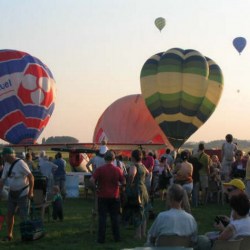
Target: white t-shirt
{"x":241,"y":227}
{"x":174,"y":222}
{"x":18,"y":178}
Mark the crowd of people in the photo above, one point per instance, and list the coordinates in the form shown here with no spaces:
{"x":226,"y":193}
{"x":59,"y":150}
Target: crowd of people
{"x":190,"y":179}
{"x":126,"y":190}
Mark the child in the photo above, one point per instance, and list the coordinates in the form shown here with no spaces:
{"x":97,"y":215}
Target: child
{"x":57,"y":204}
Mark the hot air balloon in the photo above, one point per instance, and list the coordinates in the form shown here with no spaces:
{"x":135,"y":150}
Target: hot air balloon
{"x":160,"y":23}
{"x":27,"y":97}
{"x":181,"y":89}
{"x":127,"y":120}
{"x":239,"y":43}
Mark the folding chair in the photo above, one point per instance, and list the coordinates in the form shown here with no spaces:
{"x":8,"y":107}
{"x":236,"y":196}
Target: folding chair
{"x":227,"y":244}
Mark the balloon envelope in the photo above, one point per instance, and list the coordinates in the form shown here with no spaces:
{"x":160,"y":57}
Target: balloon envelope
{"x":127,"y":120}
{"x":239,"y":43}
{"x":181,"y":89}
{"x":27,"y":97}
{"x":160,"y":23}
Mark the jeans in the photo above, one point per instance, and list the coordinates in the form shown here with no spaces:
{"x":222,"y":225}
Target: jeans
{"x":111,"y":206}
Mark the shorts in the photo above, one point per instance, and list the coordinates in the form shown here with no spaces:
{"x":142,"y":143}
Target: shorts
{"x":22,"y":203}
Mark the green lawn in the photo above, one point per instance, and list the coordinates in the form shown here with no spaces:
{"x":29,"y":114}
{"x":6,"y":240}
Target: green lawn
{"x":73,"y":232}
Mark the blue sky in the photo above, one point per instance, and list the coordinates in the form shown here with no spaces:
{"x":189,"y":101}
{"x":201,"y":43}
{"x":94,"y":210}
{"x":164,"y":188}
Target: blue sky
{"x":96,"y":49}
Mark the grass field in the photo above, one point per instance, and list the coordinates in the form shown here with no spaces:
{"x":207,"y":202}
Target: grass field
{"x":73,"y":232}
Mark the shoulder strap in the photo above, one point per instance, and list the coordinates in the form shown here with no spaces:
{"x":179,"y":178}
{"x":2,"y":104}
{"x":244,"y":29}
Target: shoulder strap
{"x":11,"y":167}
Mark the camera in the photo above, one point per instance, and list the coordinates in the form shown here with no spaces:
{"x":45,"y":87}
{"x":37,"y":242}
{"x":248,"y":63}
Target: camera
{"x":221,"y":219}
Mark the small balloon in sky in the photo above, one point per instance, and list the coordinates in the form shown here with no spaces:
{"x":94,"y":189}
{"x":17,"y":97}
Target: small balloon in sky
{"x":160,"y":23}
{"x":239,"y":43}
{"x":238,"y":91}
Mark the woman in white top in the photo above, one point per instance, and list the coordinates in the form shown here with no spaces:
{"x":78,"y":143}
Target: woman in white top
{"x":240,"y":225}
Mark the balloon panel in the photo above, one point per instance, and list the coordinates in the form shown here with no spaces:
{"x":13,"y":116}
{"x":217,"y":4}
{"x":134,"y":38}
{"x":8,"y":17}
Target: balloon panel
{"x":127,"y":120}
{"x":181,"y":89}
{"x":27,"y":96}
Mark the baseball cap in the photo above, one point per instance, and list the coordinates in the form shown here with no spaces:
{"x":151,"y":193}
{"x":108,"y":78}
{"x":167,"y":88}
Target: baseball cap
{"x":8,"y":151}
{"x":236,"y":183}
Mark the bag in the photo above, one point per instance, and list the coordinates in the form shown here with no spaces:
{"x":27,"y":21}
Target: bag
{"x":32,"y":228}
{"x":14,"y":195}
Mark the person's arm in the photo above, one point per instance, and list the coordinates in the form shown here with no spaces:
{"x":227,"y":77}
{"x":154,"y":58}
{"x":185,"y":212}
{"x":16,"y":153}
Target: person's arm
{"x":31,"y":185}
{"x":88,"y":166}
{"x":132,"y":173}
{"x":227,"y":233}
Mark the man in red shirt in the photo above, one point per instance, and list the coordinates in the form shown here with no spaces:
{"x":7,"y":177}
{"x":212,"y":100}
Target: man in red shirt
{"x":108,"y":178}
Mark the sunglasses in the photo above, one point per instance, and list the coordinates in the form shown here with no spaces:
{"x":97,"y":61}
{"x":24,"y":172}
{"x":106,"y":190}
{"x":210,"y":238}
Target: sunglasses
{"x":229,"y":190}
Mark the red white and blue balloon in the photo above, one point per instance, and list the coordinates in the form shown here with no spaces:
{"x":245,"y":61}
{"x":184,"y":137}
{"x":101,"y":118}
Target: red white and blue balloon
{"x":27,"y":97}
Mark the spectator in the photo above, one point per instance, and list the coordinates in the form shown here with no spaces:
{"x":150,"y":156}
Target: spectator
{"x":238,"y":168}
{"x":29,"y":161}
{"x":57,"y":204}
{"x":108,"y":178}
{"x":136,"y":184}
{"x":183,"y":173}
{"x":239,"y":225}
{"x":227,"y":155}
{"x":21,"y":183}
{"x":204,"y":172}
{"x":60,"y":173}
{"x":175,"y":221}
{"x":148,"y":161}
{"x":47,"y":169}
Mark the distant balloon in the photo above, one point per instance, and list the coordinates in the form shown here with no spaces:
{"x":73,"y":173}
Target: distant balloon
{"x":27,"y":97}
{"x":160,"y":23}
{"x":181,"y":89}
{"x":238,"y":91}
{"x":239,"y":43}
{"x":127,"y":120}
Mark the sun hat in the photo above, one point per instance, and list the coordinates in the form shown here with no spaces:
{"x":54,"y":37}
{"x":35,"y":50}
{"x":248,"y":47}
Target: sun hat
{"x":8,"y":151}
{"x":236,"y":183}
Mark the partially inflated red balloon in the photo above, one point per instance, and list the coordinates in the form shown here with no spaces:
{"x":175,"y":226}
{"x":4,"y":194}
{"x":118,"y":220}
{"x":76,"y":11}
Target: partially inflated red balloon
{"x":127,"y":120}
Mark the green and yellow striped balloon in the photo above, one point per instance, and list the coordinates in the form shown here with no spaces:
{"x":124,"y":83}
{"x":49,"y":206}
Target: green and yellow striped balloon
{"x":181,"y":89}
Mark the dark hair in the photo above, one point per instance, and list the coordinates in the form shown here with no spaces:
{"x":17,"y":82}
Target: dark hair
{"x":201,"y":146}
{"x":163,"y":158}
{"x":109,"y":156}
{"x":229,"y":138}
{"x":58,"y":155}
{"x":168,"y":151}
{"x":184,"y":155}
{"x":240,"y":204}
{"x":137,"y":155}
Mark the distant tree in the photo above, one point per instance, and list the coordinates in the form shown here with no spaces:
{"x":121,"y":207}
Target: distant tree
{"x":61,"y":139}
